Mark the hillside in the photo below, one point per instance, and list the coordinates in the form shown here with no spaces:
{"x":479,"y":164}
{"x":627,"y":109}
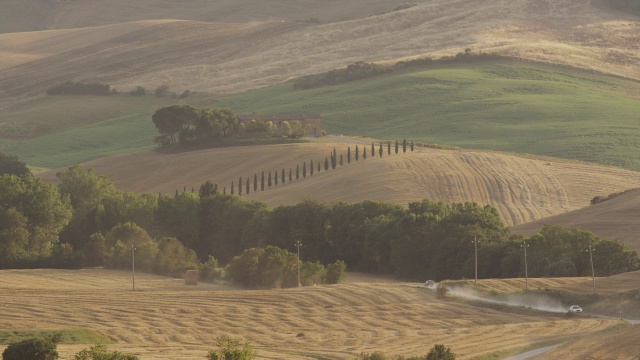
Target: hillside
{"x":231,"y":54}
{"x":522,"y":189}
{"x":614,"y":219}
{"x":164,"y":319}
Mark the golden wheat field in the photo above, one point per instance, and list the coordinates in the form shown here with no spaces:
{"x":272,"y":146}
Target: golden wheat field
{"x":224,"y":48}
{"x":165,"y":319}
{"x":521,"y":188}
{"x":518,"y":284}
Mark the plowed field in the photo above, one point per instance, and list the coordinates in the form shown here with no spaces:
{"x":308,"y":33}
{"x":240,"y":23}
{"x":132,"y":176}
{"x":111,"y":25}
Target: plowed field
{"x":165,"y":319}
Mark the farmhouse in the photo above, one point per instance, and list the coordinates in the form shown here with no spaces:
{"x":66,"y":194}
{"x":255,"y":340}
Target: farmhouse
{"x":311,"y":122}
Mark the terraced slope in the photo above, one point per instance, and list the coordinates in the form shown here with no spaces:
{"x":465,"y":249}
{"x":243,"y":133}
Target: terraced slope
{"x":165,"y":319}
{"x":522,"y":189}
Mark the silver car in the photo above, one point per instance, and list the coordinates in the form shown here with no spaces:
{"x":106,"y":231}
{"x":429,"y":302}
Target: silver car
{"x":575,"y":309}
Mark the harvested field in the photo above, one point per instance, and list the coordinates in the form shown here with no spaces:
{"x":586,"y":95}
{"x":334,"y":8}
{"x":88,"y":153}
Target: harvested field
{"x":518,"y":284}
{"x":620,"y":344}
{"x":604,"y":285}
{"x":166,"y":319}
{"x":522,"y":189}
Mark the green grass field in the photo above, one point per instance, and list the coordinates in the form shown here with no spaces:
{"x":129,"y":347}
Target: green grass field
{"x":508,"y":106}
{"x":67,"y":336}
{"x":517,"y":107}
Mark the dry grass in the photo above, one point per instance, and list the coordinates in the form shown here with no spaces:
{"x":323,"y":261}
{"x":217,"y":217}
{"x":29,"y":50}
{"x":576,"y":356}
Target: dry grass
{"x":604,"y":285}
{"x":518,"y":284}
{"x":621,"y":344}
{"x":166,"y":319}
{"x":221,"y":49}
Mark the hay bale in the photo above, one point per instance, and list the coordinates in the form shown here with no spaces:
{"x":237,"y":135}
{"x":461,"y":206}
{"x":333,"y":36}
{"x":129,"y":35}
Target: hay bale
{"x":191,"y":277}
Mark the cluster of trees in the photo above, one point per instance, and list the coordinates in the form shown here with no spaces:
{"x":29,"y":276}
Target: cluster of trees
{"x":95,"y":89}
{"x":438,"y":352}
{"x":86,"y":221}
{"x":331,"y":161}
{"x":187,"y":124}
{"x":353,"y":72}
{"x":362,"y":70}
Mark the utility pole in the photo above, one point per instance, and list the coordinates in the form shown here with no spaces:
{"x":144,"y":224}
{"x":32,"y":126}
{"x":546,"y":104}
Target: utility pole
{"x":526,"y":275}
{"x":298,"y":244}
{"x":475,"y":243}
{"x":133,"y":266}
{"x":593,"y":274}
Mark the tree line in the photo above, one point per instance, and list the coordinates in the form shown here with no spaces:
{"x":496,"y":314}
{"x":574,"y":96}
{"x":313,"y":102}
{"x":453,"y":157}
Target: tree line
{"x":185,"y":124}
{"x":86,"y":221}
{"x":330,"y":162}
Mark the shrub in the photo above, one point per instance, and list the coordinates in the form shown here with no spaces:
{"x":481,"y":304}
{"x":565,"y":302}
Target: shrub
{"x":138,"y":91}
{"x":439,"y":352}
{"x":31,"y":349}
{"x":100,"y":352}
{"x":210,"y":271}
{"x":336,"y":272}
{"x":231,"y":349}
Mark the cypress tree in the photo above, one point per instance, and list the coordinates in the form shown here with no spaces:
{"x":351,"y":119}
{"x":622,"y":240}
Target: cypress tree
{"x":373,"y":150}
{"x":255,"y":182}
{"x":389,"y":148}
{"x":248,"y":185}
{"x":275,"y":177}
{"x":176,"y":193}
{"x":364,"y":153}
{"x":318,"y":166}
{"x":311,"y":168}
{"x":224,"y":190}
{"x":304,"y":170}
{"x":297,"y":172}
{"x":290,"y":177}
{"x":240,"y":186}
{"x":356,"y":152}
{"x":411,"y":145}
{"x":262,"y":181}
{"x":404,"y":145}
{"x":340,"y":159}
{"x":349,"y":155}
{"x":380,"y":150}
{"x":283,"y":176}
{"x":396,"y":147}
{"x":326,"y":164}
{"x":269,"y":180}
{"x":232,"y":188}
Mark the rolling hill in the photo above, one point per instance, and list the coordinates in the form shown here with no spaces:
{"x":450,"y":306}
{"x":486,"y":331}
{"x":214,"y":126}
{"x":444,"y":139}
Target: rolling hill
{"x":164,"y":319}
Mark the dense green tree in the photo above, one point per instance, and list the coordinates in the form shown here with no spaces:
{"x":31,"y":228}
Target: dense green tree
{"x":14,"y":236}
{"x":125,"y":207}
{"x":341,"y":160}
{"x":269,"y":180}
{"x":275,"y":177}
{"x":9,"y":164}
{"x":172,"y":257}
{"x":380,"y":149}
{"x":178,"y":217}
{"x":336,"y":272}
{"x":373,"y":150}
{"x":440,"y":352}
{"x":364,"y":153}
{"x":208,"y":189}
{"x":172,"y":121}
{"x":411,"y":146}
{"x":33,"y":206}
{"x":31,"y":349}
{"x":290,"y":175}
{"x":318,"y":166}
{"x":232,"y":188}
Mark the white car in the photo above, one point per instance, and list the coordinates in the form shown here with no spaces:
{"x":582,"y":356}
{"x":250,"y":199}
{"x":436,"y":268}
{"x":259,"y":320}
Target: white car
{"x":430,"y":284}
{"x":575,"y":309}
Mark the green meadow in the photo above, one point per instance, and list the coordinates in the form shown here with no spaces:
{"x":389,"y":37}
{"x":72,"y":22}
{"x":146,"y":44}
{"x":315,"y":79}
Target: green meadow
{"x":519,"y":107}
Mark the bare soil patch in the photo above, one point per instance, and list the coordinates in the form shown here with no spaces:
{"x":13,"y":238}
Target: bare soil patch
{"x":165,"y":319}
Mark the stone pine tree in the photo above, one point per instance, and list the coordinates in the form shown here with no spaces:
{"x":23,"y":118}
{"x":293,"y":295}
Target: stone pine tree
{"x":240,"y":185}
{"x":396,"y":147}
{"x":282,"y":177}
{"x":411,"y":145}
{"x":340,"y":159}
{"x":326,"y":163}
{"x":290,"y":175}
{"x":373,"y":150}
{"x":255,"y":182}
{"x":297,"y":172}
{"x":349,"y":155}
{"x":388,"y":147}
{"x":269,"y":180}
{"x":232,"y":188}
{"x":311,"y":168}
{"x":304,"y":170}
{"x":404,"y":145}
{"x":262,"y":181}
{"x":275,"y":177}
{"x":248,"y":186}
{"x":380,"y":150}
{"x":356,"y":152}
